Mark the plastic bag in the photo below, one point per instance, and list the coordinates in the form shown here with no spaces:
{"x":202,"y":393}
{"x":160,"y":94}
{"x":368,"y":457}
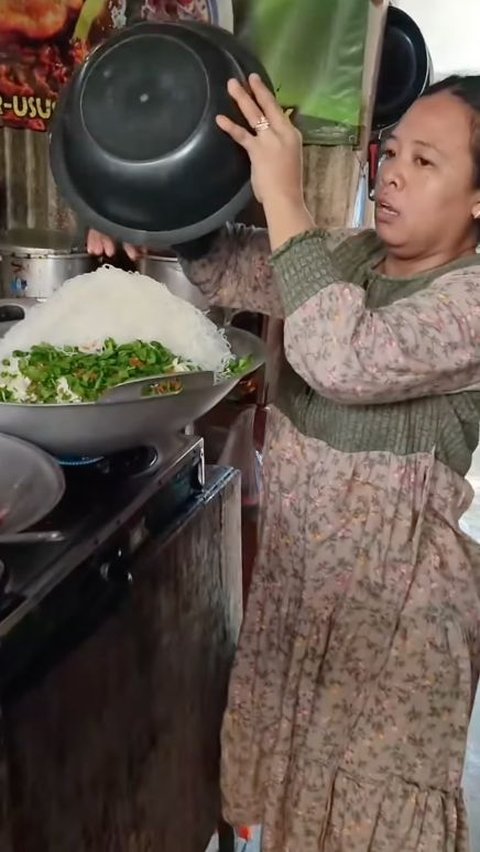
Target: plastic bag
{"x":240,"y":452}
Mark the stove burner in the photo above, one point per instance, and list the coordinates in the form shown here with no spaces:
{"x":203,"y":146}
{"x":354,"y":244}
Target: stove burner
{"x":125,"y":463}
{"x":129,"y":462}
{"x":78,"y":461}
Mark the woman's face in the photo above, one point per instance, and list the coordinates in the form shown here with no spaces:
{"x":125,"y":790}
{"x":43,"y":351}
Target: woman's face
{"x":425,"y":196}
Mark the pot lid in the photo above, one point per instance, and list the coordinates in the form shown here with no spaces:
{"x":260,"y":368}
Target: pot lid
{"x":35,"y":241}
{"x":134,"y":146}
{"x":405,"y":69}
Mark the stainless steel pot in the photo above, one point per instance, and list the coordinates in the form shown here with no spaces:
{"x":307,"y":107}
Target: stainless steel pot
{"x":96,"y":429}
{"x":166,"y":269}
{"x":35,"y":263}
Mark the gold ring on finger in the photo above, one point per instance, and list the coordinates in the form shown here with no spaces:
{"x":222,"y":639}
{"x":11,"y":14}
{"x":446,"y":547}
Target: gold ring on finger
{"x":262,"y":124}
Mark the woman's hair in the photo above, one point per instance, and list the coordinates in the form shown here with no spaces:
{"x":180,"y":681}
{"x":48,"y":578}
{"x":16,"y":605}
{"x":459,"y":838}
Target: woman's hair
{"x":466,"y":89}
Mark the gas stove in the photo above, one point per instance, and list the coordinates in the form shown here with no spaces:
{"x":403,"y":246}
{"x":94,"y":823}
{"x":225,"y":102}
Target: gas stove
{"x":111,"y":507}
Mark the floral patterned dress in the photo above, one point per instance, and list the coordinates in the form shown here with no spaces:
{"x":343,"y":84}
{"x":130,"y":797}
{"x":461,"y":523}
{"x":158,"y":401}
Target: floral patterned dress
{"x":352,"y":688}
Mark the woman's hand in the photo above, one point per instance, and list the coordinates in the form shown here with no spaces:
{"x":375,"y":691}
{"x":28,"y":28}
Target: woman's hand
{"x":99,"y":244}
{"x":275,"y":150}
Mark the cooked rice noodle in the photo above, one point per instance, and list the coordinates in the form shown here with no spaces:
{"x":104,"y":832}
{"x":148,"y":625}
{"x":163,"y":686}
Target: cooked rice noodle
{"x":125,"y":306}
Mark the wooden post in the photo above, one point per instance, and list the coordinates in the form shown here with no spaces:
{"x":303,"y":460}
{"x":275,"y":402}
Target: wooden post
{"x":332,"y":173}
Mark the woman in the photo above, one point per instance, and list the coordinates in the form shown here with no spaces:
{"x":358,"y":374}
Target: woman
{"x":352,"y":688}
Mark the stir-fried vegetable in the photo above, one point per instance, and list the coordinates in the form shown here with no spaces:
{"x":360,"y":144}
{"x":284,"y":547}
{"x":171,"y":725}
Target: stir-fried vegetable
{"x":46,"y":374}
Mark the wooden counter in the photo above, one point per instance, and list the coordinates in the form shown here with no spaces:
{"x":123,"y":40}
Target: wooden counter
{"x":115,"y":748}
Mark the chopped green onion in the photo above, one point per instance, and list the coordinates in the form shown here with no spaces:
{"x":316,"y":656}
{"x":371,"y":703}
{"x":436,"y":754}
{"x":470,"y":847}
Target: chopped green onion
{"x":58,"y":375}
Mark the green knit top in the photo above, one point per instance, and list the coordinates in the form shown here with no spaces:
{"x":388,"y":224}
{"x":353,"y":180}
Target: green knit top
{"x":445,"y":425}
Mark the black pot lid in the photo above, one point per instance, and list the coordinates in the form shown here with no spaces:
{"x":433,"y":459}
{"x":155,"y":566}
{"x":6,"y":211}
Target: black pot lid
{"x":405,"y":68}
{"x":135,"y":149}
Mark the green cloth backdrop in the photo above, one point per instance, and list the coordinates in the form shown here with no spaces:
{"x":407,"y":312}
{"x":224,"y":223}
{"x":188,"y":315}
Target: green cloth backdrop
{"x":314,"y":52}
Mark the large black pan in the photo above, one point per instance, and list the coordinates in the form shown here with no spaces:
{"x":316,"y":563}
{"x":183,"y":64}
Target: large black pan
{"x":405,"y":72}
{"x":135,"y":149}
{"x":405,"y":69}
